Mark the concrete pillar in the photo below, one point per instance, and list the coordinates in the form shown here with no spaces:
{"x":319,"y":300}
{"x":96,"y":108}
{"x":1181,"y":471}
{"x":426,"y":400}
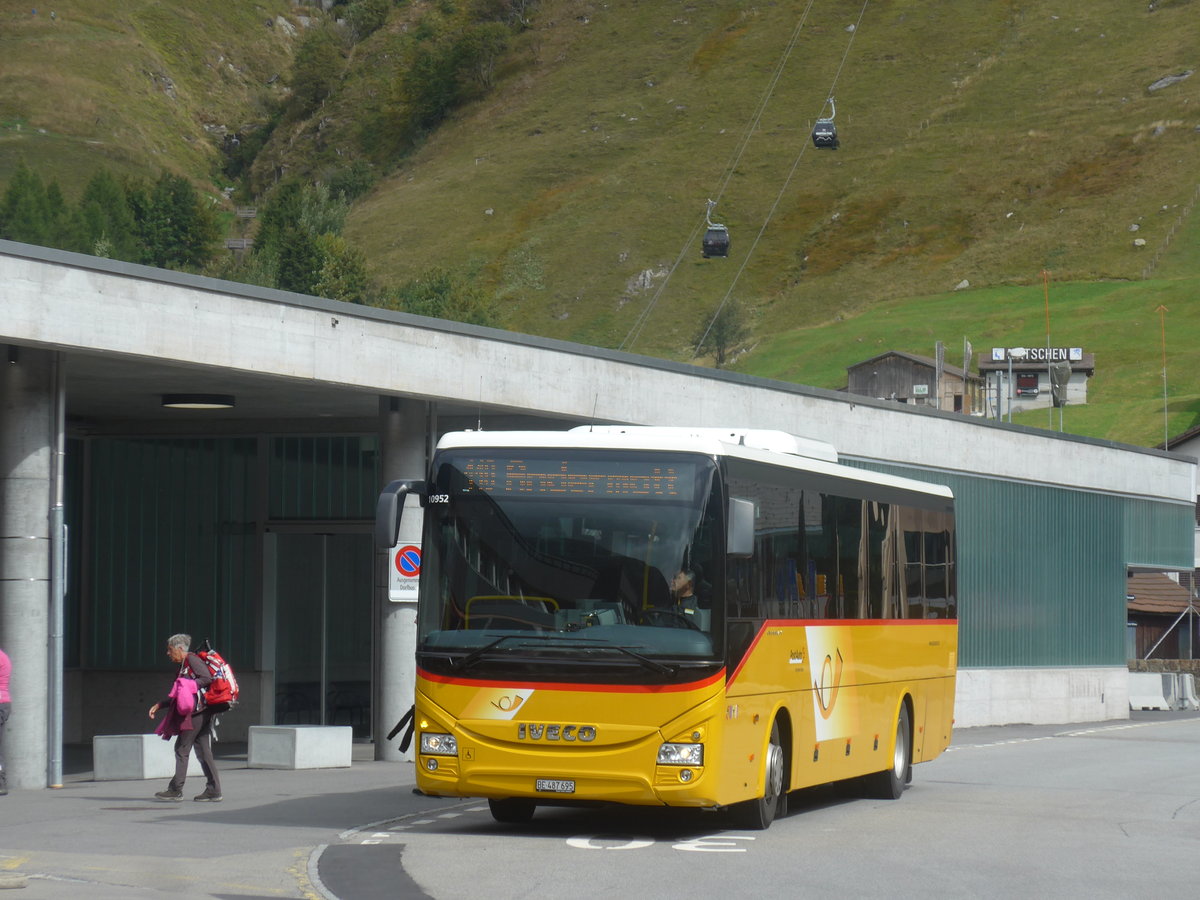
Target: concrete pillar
{"x":26,"y":466}
{"x":404,"y":437}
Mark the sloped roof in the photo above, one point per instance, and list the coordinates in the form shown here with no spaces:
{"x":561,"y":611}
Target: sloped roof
{"x":1153,"y":592}
{"x":1178,"y":439}
{"x":947,"y":368}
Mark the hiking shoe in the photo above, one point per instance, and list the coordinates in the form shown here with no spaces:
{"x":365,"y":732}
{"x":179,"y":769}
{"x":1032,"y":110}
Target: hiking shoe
{"x":208,"y":796}
{"x":169,"y":795}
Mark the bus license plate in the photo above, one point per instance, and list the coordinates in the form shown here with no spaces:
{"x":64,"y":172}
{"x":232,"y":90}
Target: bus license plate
{"x":556,"y":786}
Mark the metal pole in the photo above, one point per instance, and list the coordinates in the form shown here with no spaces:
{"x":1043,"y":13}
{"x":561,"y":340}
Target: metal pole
{"x":1162,"y":317}
{"x":1049,"y":362}
{"x":1010,"y":390}
{"x":1167,"y":632}
{"x":323,"y":690}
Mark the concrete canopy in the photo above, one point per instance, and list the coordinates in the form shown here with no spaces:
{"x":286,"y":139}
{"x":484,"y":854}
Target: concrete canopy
{"x":118,"y":336}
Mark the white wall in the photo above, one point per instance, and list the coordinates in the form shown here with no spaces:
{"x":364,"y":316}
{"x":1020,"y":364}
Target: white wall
{"x":1040,"y":696}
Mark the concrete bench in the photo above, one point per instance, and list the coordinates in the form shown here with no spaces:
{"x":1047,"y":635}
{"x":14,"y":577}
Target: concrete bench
{"x":129,"y":757}
{"x":299,"y":746}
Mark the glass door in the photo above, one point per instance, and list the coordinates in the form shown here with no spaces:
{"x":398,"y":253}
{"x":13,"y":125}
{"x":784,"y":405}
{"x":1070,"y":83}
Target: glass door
{"x":322,"y":610}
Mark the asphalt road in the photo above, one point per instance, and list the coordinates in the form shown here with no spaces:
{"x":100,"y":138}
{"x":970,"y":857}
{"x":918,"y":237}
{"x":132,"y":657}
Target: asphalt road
{"x":1099,"y":811}
{"x":1110,"y":810}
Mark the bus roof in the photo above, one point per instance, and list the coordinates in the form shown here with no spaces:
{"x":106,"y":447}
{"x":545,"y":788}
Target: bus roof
{"x":759,"y":445}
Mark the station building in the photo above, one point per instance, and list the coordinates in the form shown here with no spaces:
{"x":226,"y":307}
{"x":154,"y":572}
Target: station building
{"x":182,"y":454}
{"x":1020,"y":378}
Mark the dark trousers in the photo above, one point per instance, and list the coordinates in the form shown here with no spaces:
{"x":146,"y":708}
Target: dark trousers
{"x":5,"y":709}
{"x":200,"y":736}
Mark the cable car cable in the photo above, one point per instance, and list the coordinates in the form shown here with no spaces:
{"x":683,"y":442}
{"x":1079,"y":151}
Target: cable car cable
{"x":639,"y":323}
{"x":779,"y":196}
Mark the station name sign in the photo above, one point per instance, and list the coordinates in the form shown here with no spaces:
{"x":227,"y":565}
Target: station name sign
{"x":1037,"y":354}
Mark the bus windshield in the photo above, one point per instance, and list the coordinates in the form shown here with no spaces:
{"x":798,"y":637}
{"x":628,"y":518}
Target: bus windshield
{"x":576,"y":565}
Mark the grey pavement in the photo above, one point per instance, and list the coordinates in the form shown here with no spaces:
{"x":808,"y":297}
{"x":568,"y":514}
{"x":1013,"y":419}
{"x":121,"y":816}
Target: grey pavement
{"x":350,"y":833}
{"x":112,"y":839}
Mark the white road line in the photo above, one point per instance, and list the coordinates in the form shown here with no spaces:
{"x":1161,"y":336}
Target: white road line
{"x":1064,"y":734}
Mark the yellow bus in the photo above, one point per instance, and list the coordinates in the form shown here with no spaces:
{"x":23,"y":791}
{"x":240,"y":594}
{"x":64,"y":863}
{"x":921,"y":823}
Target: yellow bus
{"x":675,"y":617}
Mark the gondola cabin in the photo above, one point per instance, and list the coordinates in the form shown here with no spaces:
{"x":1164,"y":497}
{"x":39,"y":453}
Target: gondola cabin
{"x":716,"y":241}
{"x":824,"y":135}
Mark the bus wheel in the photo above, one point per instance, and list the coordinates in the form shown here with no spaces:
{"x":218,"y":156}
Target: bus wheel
{"x":889,"y":784}
{"x":512,"y":810}
{"x":759,"y":814}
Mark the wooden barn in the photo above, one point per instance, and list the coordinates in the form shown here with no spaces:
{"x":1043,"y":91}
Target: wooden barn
{"x":909,"y":378}
{"x":1163,"y":617}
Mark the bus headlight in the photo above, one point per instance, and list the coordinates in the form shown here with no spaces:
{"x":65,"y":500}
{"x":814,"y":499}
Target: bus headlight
{"x":681,"y":755}
{"x":439,"y":744}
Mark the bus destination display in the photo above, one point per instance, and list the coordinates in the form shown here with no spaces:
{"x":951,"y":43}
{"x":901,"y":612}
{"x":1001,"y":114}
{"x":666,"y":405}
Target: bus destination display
{"x":615,"y":479}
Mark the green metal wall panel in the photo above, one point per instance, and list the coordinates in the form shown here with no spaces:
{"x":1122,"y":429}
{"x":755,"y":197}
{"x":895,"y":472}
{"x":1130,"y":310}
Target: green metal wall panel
{"x":327,"y":477}
{"x":73,"y":517}
{"x":170,"y":548}
{"x":1041,"y":569}
{"x":171,"y":534}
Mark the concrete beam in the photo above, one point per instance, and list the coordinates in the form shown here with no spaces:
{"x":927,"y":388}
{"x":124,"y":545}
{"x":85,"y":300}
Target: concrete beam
{"x":56,"y":299}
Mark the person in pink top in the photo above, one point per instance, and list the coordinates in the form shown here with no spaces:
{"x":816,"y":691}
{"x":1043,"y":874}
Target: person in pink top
{"x":5,"y":709}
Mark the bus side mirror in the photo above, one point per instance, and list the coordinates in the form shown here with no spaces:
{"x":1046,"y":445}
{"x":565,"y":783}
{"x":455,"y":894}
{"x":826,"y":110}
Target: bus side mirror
{"x":739,"y":535}
{"x":389,"y":508}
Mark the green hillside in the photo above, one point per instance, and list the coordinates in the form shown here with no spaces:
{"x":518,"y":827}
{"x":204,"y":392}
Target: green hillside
{"x":138,"y":86}
{"x":981,"y":143}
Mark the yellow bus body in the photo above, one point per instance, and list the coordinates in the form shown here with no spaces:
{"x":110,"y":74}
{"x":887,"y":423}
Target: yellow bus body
{"x":835,"y":686}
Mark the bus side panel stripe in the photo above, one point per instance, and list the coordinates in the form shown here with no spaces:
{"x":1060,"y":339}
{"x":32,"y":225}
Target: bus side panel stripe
{"x":750,"y":649}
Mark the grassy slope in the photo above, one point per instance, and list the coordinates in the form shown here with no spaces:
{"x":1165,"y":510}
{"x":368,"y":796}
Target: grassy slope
{"x":90,"y":87}
{"x":1115,"y":320}
{"x":951,"y":119}
{"x":980,"y":142}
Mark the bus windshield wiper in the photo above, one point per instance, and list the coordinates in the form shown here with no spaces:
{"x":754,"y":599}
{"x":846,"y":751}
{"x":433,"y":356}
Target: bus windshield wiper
{"x":646,"y":661}
{"x":479,"y":652}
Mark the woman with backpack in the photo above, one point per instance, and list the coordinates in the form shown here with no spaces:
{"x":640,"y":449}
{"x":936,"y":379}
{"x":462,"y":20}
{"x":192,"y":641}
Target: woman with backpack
{"x":194,"y":729}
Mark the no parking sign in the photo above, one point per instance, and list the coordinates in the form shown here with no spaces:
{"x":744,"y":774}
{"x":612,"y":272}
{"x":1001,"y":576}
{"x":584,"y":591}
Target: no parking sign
{"x":404,"y":573}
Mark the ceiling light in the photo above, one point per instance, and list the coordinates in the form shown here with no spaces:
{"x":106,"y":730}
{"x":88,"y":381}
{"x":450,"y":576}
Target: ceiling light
{"x":198,"y":401}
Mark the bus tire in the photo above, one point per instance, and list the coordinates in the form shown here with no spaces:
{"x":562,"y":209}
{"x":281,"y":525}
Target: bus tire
{"x":757,"y":815}
{"x":512,"y":810}
{"x":890,"y":783}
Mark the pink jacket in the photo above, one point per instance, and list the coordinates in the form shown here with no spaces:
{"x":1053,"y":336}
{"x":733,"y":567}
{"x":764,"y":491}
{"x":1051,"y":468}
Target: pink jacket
{"x":5,"y":672}
{"x":179,"y":713}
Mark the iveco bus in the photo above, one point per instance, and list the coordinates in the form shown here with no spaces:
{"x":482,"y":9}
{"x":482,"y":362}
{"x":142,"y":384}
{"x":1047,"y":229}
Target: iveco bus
{"x":671,"y":616}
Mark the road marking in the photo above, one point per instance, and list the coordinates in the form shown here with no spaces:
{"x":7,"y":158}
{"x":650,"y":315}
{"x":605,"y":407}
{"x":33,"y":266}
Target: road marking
{"x":714,"y":843}
{"x":1083,"y":732}
{"x":613,"y":842}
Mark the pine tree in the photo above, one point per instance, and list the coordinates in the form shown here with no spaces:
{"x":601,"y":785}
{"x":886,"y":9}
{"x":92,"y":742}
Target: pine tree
{"x":299,"y":260}
{"x":64,"y":225}
{"x":24,"y":214}
{"x":175,"y":229}
{"x":107,"y":219}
